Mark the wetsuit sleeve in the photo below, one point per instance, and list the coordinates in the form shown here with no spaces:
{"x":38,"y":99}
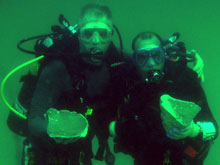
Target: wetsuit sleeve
{"x":52,"y":81}
{"x":205,"y":115}
{"x":192,"y":89}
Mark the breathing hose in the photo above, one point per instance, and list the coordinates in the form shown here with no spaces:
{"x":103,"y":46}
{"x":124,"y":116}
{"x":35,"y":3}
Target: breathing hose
{"x":8,"y":76}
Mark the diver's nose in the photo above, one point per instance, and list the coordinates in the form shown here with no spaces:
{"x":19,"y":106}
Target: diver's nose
{"x":151,"y":62}
{"x":95,"y":38}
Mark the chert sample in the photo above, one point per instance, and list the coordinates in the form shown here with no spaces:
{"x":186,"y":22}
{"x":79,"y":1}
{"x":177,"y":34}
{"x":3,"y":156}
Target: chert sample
{"x":177,"y":113}
{"x":66,"y":124}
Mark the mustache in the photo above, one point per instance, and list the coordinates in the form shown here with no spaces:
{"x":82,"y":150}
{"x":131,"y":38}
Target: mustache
{"x":95,"y":53}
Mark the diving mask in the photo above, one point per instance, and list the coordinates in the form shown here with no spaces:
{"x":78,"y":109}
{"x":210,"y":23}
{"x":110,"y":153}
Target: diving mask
{"x":96,"y":29}
{"x":142,"y":56}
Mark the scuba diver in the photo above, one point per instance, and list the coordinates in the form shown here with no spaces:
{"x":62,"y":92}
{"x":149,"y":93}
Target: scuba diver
{"x":165,"y":118}
{"x":82,"y":72}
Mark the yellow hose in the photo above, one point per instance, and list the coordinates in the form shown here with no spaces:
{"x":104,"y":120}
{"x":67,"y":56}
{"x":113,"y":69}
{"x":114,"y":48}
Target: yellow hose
{"x":6,"y":78}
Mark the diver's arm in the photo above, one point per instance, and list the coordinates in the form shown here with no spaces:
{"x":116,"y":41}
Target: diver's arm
{"x":198,"y":64}
{"x":50,"y":84}
{"x":205,"y":118}
{"x":204,"y":121}
{"x":205,"y":115}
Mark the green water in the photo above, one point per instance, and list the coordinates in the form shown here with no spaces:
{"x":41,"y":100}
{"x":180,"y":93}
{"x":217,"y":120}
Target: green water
{"x":198,"y":21}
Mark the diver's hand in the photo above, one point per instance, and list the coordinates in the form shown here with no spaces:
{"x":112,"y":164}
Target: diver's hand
{"x":112,"y":129}
{"x":190,"y":131}
{"x":198,"y":64}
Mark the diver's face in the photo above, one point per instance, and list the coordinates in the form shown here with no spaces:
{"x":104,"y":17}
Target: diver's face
{"x":95,"y":38}
{"x":149,"y":55}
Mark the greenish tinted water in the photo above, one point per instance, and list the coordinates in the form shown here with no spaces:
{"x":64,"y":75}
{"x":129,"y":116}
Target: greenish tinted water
{"x":197,"y":21}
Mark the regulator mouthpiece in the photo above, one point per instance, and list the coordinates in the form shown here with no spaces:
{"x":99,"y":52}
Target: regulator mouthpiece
{"x":154,"y":76}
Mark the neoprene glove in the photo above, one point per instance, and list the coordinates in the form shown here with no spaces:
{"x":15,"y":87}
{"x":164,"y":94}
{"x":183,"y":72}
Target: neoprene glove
{"x":190,"y":131}
{"x":198,"y":64}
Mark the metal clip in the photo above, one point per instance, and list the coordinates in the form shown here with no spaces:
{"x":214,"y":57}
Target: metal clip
{"x":167,"y":158}
{"x":89,"y":111}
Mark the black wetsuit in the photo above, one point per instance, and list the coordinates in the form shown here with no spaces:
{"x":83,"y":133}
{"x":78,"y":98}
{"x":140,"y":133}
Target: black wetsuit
{"x":67,"y":82}
{"x":139,"y":128}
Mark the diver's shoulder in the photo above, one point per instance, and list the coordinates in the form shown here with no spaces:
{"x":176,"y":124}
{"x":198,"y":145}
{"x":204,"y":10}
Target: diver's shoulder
{"x":54,"y":66}
{"x":181,"y":71}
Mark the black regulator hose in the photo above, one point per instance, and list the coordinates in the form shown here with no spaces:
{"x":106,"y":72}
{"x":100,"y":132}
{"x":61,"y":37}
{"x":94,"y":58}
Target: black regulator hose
{"x":29,"y":39}
{"x":120,"y":38}
{"x":58,"y":30}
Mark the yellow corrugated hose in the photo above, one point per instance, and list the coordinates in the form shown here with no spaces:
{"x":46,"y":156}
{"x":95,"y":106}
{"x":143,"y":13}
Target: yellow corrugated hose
{"x":6,"y":78}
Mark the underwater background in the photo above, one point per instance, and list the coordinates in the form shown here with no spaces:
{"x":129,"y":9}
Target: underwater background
{"x":198,"y":22}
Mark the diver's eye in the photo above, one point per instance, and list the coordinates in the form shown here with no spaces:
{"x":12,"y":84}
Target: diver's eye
{"x":157,"y":55}
{"x":141,"y":58}
{"x":88,"y":33}
{"x":103,"y":33}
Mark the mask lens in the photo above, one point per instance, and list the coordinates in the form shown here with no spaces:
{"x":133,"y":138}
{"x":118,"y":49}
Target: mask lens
{"x":103,"y":33}
{"x":141,"y":58}
{"x":157,"y":55}
{"x":88,"y":33}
